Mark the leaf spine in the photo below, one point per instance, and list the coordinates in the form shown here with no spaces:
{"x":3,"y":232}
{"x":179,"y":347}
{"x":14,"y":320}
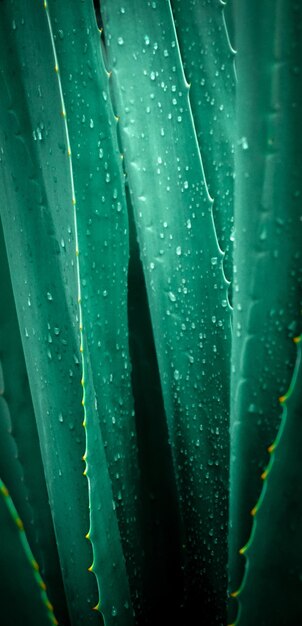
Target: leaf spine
{"x":254,"y":510}
{"x":27,"y":550}
{"x":75,"y":224}
{"x":271,"y":449}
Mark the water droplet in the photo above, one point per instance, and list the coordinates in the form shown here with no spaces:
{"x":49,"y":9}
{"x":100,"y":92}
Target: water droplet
{"x":243,"y":143}
{"x":178,"y":250}
{"x":120,"y":41}
{"x":172,"y":296}
{"x":176,"y":375}
{"x":49,"y":296}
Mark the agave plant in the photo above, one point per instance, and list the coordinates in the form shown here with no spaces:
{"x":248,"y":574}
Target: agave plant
{"x":150,"y":409}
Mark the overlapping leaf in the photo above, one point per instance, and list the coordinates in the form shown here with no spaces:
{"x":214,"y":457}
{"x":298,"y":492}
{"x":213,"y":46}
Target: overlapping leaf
{"x":185,"y":283}
{"x":23,"y":595}
{"x":36,"y":209}
{"x":267,"y":261}
{"x":21,"y":467}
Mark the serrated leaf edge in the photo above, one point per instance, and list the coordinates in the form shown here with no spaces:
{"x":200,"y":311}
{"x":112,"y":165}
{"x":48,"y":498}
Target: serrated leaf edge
{"x":77,"y":264}
{"x":29,"y":555}
{"x":271,"y":450}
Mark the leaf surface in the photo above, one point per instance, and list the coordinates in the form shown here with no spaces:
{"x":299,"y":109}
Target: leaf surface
{"x":23,"y":596}
{"x":185,"y":283}
{"x":209,"y":68}
{"x":36,"y":209}
{"x":271,"y":589}
{"x":21,"y":465}
{"x":267,"y":258}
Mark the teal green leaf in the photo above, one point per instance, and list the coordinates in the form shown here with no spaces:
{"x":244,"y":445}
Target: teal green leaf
{"x":160,"y":512}
{"x":271,"y":589}
{"x":185,"y":283}
{"x":102,"y":239}
{"x":37,"y":215}
{"x":208,"y":60}
{"x":267,"y":258}
{"x":107,"y":288}
{"x":23,"y":596}
{"x":21,"y":465}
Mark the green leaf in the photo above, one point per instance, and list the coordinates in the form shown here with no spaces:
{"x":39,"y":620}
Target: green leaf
{"x":102,"y":239}
{"x":185,"y":283}
{"x":267,"y":258}
{"x":271,"y":589}
{"x":209,"y":68}
{"x":160,"y":514}
{"x":23,"y":596}
{"x":21,"y":465}
{"x":37,"y":214}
